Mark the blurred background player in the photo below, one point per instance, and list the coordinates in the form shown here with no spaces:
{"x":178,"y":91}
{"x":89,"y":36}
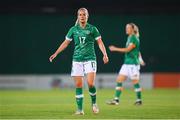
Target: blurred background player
{"x":130,"y":68}
{"x":84,"y":58}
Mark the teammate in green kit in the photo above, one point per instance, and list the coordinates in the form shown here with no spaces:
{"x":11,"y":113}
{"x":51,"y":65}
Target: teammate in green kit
{"x":84,"y":59}
{"x":130,"y":68}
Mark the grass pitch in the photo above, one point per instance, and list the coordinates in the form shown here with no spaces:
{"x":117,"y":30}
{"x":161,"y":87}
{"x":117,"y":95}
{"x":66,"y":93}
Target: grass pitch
{"x":60,"y":104}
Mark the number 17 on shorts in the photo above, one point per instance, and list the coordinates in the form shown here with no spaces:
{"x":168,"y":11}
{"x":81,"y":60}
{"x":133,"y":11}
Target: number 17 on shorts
{"x":81,"y":68}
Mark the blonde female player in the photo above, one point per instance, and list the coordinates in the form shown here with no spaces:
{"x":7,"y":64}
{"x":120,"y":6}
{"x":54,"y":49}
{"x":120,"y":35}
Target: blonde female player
{"x":131,"y":66}
{"x":84,"y":58}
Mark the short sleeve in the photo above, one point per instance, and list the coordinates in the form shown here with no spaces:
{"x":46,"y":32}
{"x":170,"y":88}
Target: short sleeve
{"x":69,"y":35}
{"x":133,"y":40}
{"x":96,"y":33}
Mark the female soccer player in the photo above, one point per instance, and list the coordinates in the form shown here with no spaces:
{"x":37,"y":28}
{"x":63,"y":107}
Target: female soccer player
{"x":131,"y":66}
{"x":84,"y":58}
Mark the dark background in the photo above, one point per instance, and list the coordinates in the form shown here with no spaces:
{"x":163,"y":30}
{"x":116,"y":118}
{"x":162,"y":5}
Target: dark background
{"x":31,"y":30}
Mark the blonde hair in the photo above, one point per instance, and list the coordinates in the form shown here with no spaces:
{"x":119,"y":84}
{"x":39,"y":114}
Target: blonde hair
{"x":135,"y":28}
{"x":81,"y":9}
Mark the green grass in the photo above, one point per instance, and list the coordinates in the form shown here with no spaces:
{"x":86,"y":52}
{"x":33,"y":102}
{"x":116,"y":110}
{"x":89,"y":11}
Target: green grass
{"x":60,"y":104}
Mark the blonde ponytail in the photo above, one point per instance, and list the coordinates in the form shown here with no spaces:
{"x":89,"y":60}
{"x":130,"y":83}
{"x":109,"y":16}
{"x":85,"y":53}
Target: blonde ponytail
{"x":135,"y":28}
{"x":136,"y":31}
{"x":76,"y":23}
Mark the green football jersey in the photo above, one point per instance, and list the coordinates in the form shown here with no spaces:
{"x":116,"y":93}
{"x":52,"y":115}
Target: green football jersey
{"x":84,"y":39}
{"x":132,"y":57}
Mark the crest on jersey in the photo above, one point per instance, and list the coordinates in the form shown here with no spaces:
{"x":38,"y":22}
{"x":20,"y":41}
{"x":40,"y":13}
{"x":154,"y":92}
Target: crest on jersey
{"x":87,"y":32}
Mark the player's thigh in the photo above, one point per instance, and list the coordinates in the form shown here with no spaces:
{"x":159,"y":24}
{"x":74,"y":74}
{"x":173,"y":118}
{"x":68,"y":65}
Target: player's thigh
{"x":78,"y":81}
{"x":123,"y":74}
{"x":90,"y":66}
{"x":134,"y":73}
{"x":91,"y":78}
{"x":77,"y":69}
{"x":124,"y":70}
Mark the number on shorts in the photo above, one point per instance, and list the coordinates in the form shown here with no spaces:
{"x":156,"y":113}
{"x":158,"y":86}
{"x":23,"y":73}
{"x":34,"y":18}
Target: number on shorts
{"x":93,"y":65}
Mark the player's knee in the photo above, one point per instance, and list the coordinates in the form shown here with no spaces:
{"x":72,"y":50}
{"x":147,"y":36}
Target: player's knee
{"x":135,"y":81}
{"x":119,"y":80}
{"x":90,"y":85}
{"x":79,"y":84}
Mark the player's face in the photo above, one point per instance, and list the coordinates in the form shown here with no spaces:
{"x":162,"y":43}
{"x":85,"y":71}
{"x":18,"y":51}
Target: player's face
{"x":82,"y":17}
{"x":129,"y":29}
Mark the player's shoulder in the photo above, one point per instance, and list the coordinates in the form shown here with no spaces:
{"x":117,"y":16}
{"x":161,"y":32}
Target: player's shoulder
{"x":73,"y":28}
{"x":134,"y":37}
{"x":91,"y":26}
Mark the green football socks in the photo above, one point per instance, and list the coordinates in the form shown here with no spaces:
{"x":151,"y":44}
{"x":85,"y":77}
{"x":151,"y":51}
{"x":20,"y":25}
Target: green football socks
{"x":118,"y":90}
{"x":92,"y":92}
{"x":79,"y":98}
{"x":138,"y":91}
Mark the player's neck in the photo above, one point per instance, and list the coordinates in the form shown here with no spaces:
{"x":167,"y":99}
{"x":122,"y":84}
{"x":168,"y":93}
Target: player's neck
{"x":83,"y":25}
{"x":130,"y":34}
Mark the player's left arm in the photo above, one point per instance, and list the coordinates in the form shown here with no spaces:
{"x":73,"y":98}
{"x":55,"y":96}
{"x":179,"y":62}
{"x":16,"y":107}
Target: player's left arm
{"x":103,"y":50}
{"x":123,"y":50}
{"x":141,"y":60}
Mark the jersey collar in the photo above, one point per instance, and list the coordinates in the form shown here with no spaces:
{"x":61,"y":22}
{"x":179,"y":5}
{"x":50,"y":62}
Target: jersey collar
{"x":87,"y":25}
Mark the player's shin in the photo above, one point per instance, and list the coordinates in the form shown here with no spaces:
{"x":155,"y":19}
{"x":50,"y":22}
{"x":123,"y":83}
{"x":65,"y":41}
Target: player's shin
{"x":118,"y":90}
{"x":79,"y":98}
{"x":138,"y":91}
{"x":92,"y":92}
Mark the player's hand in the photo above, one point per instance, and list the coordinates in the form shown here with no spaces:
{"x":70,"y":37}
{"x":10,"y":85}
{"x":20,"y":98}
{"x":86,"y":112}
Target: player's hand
{"x":142,"y":63}
{"x":52,"y":57}
{"x":105,"y":59}
{"x":112,"y":48}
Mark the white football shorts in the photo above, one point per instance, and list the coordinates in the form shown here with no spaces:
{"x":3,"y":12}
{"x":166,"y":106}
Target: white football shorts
{"x":82,"y":68}
{"x":131,"y":71}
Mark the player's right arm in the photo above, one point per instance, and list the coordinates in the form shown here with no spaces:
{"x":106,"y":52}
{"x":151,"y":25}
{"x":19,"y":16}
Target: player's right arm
{"x":123,"y":50}
{"x":130,"y":47}
{"x":60,"y":49}
{"x":64,"y":45}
